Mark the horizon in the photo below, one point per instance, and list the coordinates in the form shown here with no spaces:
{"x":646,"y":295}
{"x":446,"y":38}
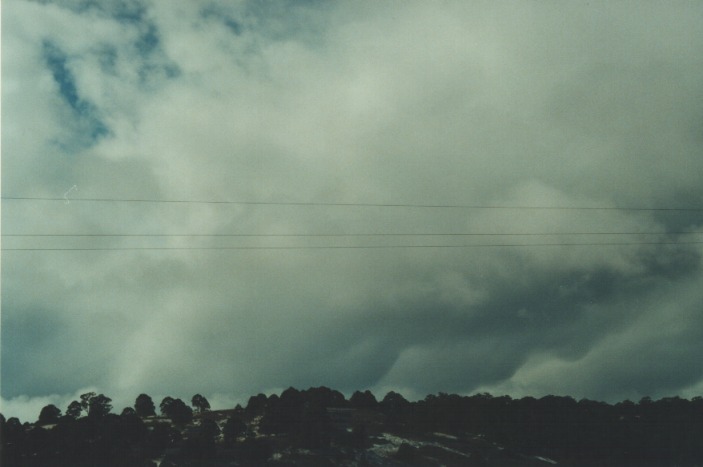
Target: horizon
{"x":219,"y":402}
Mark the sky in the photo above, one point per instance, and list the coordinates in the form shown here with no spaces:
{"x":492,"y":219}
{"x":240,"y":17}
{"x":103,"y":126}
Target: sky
{"x":415,"y":196}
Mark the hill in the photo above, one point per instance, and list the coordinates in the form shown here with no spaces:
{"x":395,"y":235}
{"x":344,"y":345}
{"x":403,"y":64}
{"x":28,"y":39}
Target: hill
{"x":320,"y":427}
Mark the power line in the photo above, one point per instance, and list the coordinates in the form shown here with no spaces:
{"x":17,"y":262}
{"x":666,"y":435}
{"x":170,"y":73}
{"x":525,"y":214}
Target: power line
{"x":357,"y":247}
{"x":334,"y":204}
{"x":336,"y":235}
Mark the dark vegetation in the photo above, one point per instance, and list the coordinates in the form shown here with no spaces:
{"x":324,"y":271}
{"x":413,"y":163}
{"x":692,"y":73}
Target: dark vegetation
{"x":319,"y":426}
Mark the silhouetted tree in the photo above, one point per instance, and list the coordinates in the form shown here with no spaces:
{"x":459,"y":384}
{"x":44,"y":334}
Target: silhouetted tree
{"x":393,"y":401}
{"x":272,"y":402}
{"x":363,"y":400}
{"x":49,"y":414}
{"x":394,"y":406}
{"x":128,"y":412}
{"x":144,"y":406}
{"x":285,"y":414}
{"x":176,"y":410}
{"x":13,"y":427}
{"x":74,"y":409}
{"x":200,"y":403}
{"x":256,"y":405}
{"x":85,"y":399}
{"x":99,"y":406}
{"x":165,"y":404}
{"x":646,"y":401}
{"x":324,"y":397}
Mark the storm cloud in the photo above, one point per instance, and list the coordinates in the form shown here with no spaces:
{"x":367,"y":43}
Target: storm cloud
{"x":329,"y":120}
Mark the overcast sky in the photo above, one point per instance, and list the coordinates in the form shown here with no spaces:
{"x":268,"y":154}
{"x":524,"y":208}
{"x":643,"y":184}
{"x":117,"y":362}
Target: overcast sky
{"x":345,"y":105}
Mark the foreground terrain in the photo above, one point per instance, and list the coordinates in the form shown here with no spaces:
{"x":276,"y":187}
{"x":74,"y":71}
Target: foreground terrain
{"x":320,"y":427}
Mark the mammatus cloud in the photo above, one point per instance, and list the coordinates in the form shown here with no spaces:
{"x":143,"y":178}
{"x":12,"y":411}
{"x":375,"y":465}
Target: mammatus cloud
{"x":485,"y":105}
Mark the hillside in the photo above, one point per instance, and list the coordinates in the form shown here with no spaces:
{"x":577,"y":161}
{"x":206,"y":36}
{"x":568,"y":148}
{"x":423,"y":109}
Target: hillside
{"x":320,"y":427}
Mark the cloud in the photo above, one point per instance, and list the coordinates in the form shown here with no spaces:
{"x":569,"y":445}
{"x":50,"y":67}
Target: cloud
{"x":479,"y":104}
{"x":652,"y":354}
{"x":27,"y":409}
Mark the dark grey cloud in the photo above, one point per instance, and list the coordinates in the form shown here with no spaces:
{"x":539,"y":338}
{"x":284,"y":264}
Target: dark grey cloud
{"x":483,"y":104}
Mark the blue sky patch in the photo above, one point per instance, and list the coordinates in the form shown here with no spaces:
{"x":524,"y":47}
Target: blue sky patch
{"x":89,"y":124}
{"x":56,"y":61}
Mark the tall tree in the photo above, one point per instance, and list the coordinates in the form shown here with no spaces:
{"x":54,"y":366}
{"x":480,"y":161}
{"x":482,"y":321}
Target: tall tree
{"x":363,"y":400}
{"x":176,"y":410}
{"x":144,"y":406}
{"x":74,"y":409}
{"x":200,"y":403}
{"x":49,"y":414}
{"x":128,"y":412}
{"x":85,"y":399}
{"x":99,"y":406}
{"x":165,"y":404}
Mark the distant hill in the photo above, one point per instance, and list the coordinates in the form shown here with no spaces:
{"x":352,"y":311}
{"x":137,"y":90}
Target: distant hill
{"x":320,"y":427}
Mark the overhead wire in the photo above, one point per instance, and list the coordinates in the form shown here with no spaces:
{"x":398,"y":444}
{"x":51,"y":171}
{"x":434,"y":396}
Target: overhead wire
{"x":339,"y":204}
{"x":348,"y":235}
{"x":357,"y":247}
{"x":423,"y":234}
